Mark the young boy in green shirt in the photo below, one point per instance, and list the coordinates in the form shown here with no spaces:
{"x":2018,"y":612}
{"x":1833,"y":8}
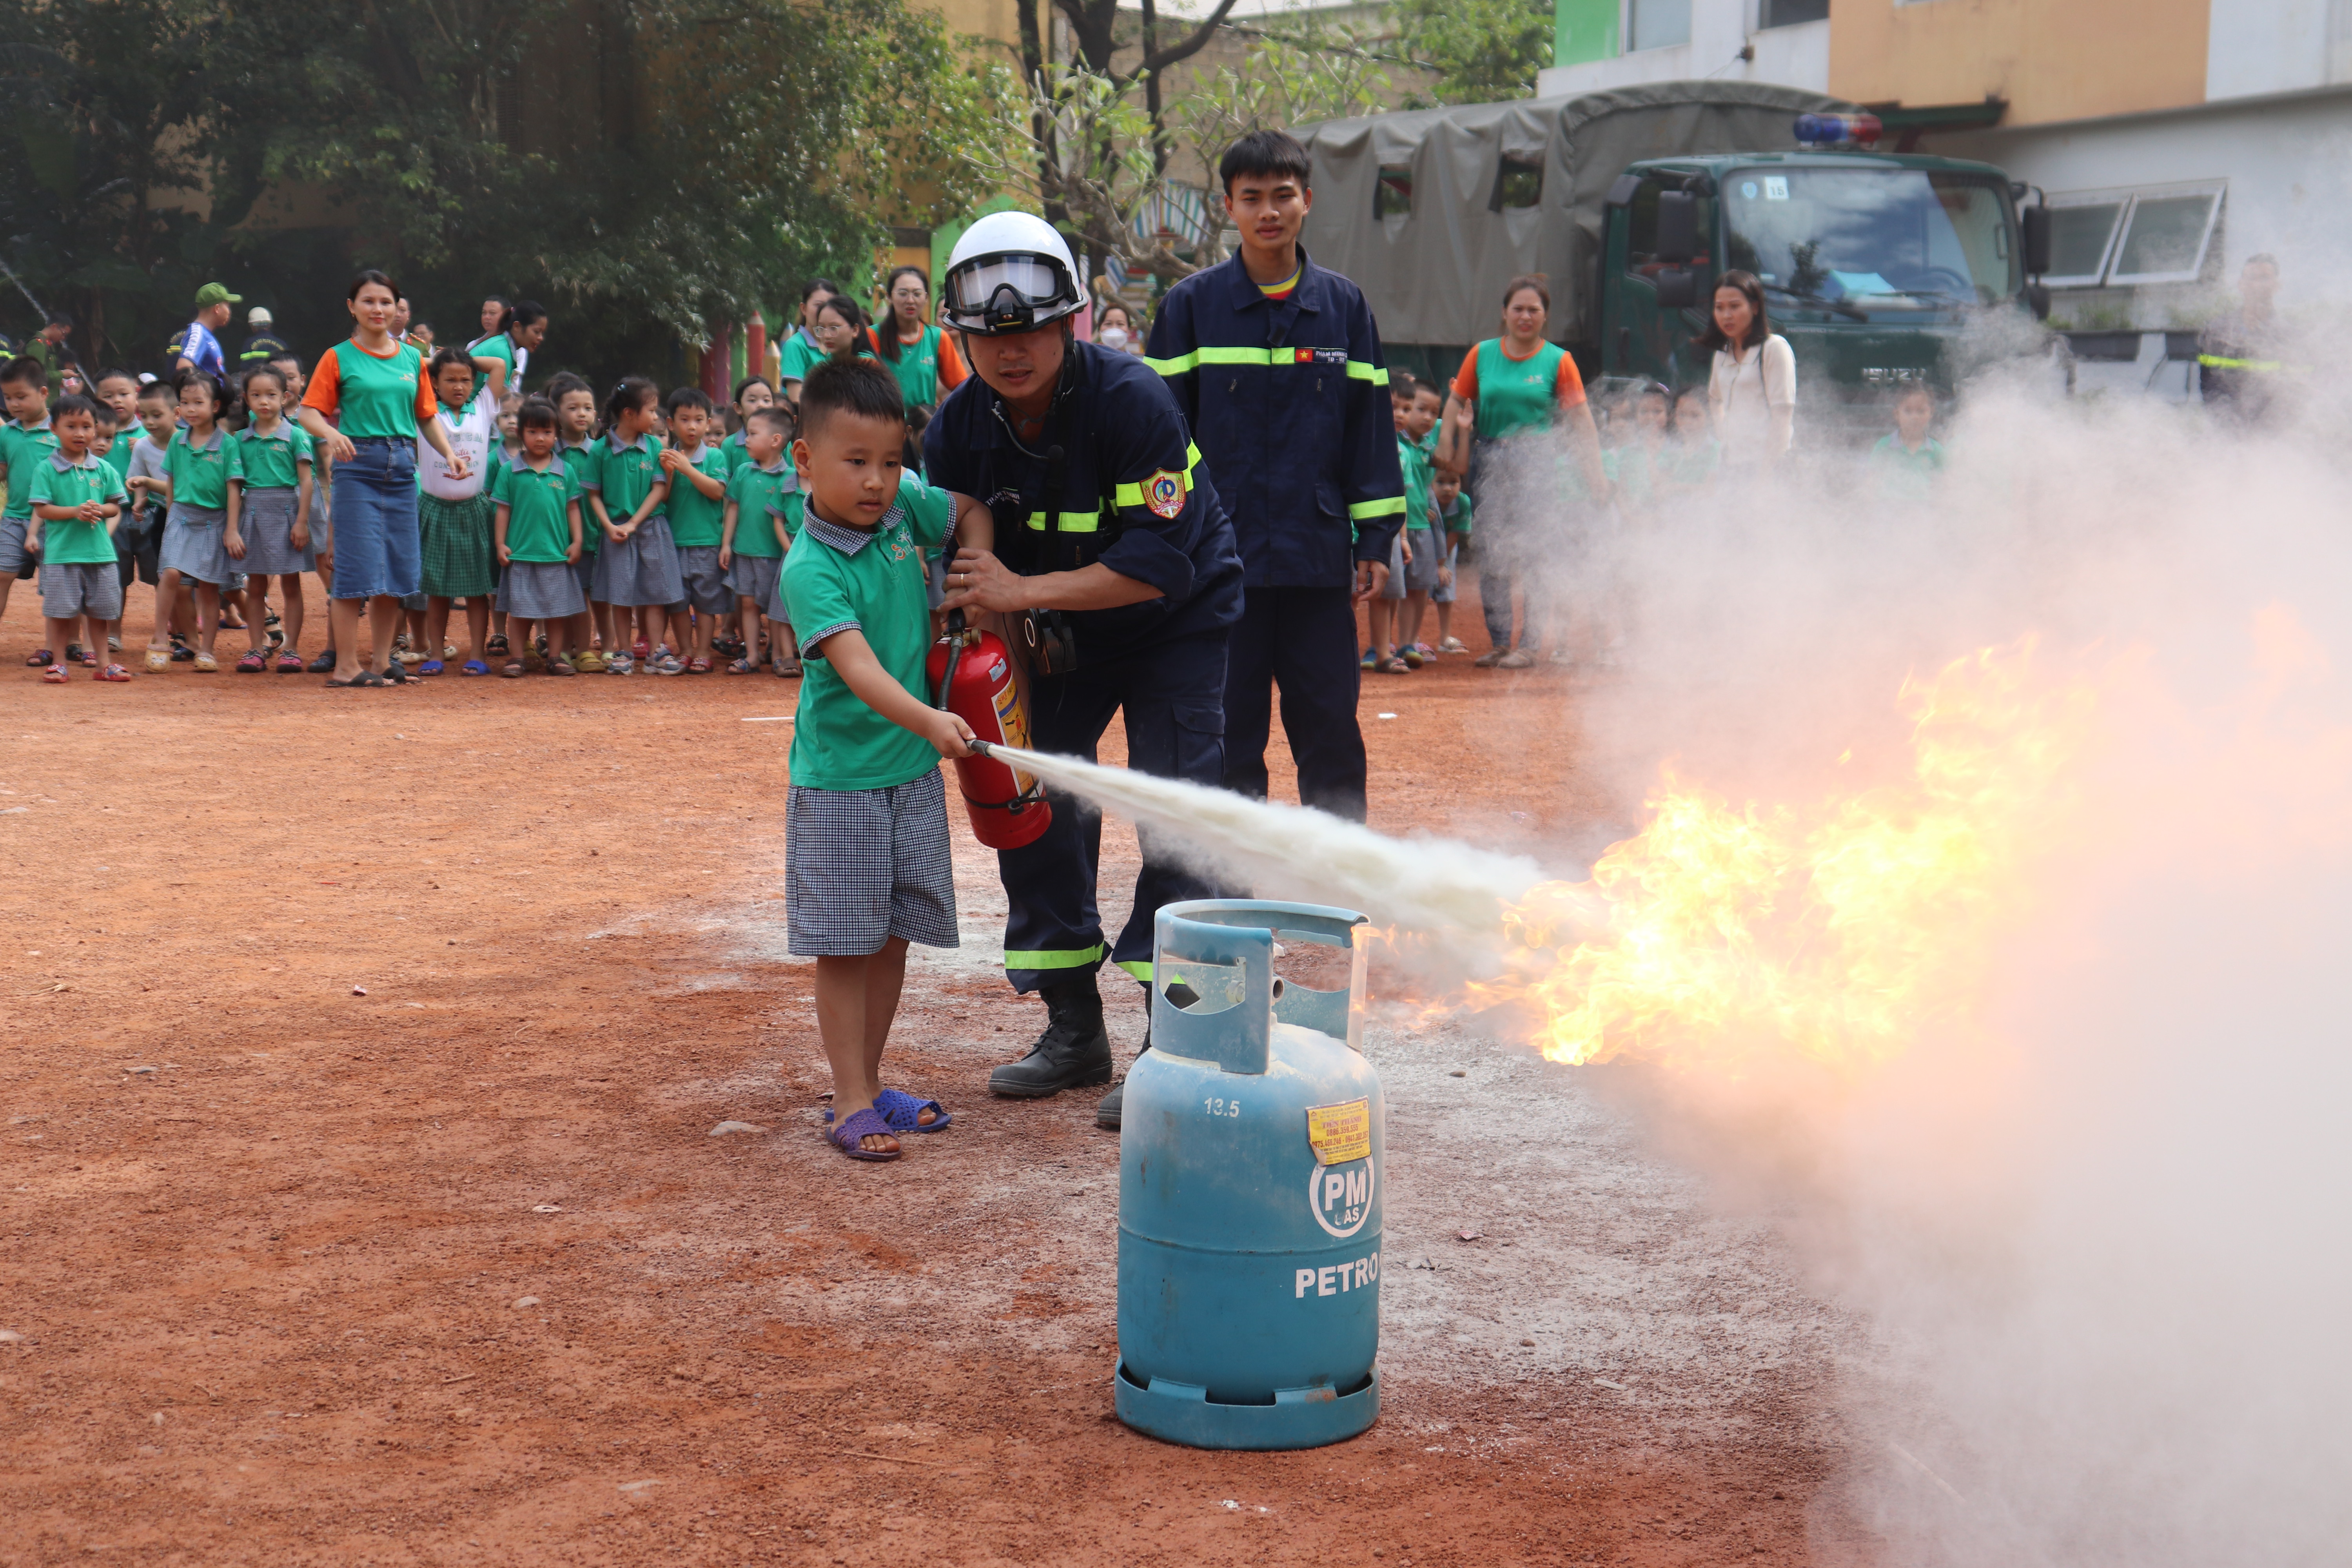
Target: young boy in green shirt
{"x":26,"y":442}
{"x":1908,"y":460}
{"x":75,"y":504}
{"x":697,"y":472}
{"x":753,"y":551}
{"x":867,"y":860}
{"x":1453,"y":511}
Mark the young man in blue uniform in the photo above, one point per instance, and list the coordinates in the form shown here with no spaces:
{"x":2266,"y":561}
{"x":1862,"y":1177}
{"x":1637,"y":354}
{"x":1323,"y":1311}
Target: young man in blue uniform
{"x":1109,"y":536}
{"x":1277,"y":364}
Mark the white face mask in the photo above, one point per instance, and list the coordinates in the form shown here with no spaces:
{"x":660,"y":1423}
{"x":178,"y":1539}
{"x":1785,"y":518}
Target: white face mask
{"x":1112,"y":337}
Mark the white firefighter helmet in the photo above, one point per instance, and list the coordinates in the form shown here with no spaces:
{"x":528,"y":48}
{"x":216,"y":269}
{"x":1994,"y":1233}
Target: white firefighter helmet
{"x":1011,"y":272}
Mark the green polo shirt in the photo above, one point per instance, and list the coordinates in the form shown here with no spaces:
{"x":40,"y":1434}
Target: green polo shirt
{"x":538,"y":516}
{"x":199,"y":475}
{"x":697,"y":521}
{"x":916,"y":367}
{"x":119,"y":453}
{"x":799,"y":356}
{"x":372,"y":397}
{"x":1905,"y":475}
{"x":755,"y":491}
{"x":268,"y":462}
{"x":577,"y":463}
{"x":1415,"y":464}
{"x":623,"y":473}
{"x":836,"y":578}
{"x":498,"y":346}
{"x":22,"y":450}
{"x":793,"y":507}
{"x":732,"y":449}
{"x":1458,"y":518}
{"x":57,"y":482}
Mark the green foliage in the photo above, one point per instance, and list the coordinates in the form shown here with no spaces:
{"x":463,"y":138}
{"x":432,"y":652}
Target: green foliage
{"x":1483,"y":51}
{"x":679,"y":160}
{"x":1313,"y":70}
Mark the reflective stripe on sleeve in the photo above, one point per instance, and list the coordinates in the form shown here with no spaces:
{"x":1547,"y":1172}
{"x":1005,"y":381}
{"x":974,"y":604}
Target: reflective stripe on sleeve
{"x":1072,"y":521}
{"x":1057,"y":958}
{"x":2218,"y":361}
{"x":1387,"y":506}
{"x":1129,"y":495}
{"x":1140,"y":970}
{"x":1358,"y":371}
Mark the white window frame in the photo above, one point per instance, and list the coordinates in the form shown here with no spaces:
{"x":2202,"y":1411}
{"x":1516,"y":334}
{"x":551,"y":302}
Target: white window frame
{"x":2121,"y":199}
{"x":2215,"y":191}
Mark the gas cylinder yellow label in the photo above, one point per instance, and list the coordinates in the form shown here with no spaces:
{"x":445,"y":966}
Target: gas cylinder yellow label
{"x":1340,"y":1134}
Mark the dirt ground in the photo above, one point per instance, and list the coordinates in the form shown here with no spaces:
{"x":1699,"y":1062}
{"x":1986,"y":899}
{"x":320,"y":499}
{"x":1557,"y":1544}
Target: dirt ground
{"x":362,"y":1053}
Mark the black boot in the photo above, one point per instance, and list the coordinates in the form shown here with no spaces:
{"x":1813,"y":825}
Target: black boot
{"x":1107,"y":1110}
{"x":1073,"y":1052}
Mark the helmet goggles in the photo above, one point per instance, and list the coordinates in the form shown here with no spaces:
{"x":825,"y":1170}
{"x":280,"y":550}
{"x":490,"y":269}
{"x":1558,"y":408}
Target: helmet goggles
{"x":1010,"y":291}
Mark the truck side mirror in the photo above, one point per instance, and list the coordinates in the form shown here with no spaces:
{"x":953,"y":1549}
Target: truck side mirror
{"x":1678,"y":225}
{"x":2036,"y":221}
{"x":1678,"y":288}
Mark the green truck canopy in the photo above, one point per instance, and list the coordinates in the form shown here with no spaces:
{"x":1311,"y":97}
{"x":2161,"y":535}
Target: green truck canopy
{"x":1432,"y":211}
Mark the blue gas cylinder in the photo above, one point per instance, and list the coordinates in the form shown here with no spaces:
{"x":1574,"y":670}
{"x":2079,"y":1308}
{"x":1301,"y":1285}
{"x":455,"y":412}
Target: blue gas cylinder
{"x":1249,"y":1202}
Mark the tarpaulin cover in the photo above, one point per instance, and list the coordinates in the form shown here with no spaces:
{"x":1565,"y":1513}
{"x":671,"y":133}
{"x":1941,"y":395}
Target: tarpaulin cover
{"x":1436,"y":274}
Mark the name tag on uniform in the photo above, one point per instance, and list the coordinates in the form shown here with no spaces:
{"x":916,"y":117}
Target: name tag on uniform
{"x":1320,"y":356}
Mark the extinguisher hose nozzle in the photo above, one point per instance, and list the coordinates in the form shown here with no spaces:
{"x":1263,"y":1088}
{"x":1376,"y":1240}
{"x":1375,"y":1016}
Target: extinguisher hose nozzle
{"x":979,"y":747}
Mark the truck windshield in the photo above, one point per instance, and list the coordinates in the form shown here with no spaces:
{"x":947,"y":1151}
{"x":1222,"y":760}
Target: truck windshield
{"x":1872,"y":239}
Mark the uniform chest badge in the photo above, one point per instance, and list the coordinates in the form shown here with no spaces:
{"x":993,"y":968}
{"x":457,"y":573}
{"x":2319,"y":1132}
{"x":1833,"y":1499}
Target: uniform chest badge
{"x":1163,"y":493}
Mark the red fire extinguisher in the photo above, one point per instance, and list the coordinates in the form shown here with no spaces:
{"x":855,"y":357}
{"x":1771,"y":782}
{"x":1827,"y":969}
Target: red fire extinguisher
{"x":971,"y":672}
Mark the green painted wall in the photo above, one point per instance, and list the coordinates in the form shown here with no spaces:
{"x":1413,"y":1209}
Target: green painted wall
{"x":1584,"y":30}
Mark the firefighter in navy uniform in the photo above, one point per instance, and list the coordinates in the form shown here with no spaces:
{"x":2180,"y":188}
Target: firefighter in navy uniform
{"x":1277,"y":364}
{"x":1116,"y":566}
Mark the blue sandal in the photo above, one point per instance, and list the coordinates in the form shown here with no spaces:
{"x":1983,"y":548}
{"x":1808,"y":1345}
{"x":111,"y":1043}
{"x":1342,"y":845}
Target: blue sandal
{"x":472,"y":667}
{"x":904,"y":1113}
{"x":856,"y":1127}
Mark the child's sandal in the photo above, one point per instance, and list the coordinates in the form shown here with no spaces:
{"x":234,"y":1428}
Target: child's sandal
{"x":56,"y":675}
{"x":513,"y":670}
{"x":40,"y":657}
{"x":497,"y":648}
{"x":111,"y":672}
{"x":744,"y":667}
{"x":560,"y":666}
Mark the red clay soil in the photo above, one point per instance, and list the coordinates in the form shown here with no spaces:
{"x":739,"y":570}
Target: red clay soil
{"x":361,"y":1053}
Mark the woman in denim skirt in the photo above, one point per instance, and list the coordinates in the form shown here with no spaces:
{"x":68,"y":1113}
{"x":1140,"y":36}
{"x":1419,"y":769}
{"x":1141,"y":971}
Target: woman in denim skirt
{"x":375,"y":387}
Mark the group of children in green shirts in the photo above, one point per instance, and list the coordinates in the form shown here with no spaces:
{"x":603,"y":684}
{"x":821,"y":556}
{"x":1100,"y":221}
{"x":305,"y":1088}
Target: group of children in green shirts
{"x":652,"y":546}
{"x":1438,"y":519}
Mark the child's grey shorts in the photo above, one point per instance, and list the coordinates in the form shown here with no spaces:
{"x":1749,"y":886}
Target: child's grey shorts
{"x":71,"y":590}
{"x":753,"y":577}
{"x":706,"y":584}
{"x":861,"y":866}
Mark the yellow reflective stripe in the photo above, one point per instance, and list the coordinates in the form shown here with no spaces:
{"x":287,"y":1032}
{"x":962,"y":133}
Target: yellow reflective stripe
{"x":1176,"y":366}
{"x":1237,"y":356}
{"x":1140,"y":970}
{"x":1358,"y":371}
{"x":1072,"y":521}
{"x":1365,"y":510}
{"x":2216,"y":362}
{"x":1132,"y":494}
{"x":1057,"y":958}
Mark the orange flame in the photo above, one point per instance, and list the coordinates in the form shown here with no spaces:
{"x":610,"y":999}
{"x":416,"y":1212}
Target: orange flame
{"x":1721,"y":935}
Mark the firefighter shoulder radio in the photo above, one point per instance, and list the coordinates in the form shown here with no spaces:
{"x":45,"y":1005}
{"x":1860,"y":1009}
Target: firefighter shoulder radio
{"x":971,"y":672}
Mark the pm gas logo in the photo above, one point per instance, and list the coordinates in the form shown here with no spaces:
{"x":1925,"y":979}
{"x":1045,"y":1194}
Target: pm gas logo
{"x":1341,"y":1196}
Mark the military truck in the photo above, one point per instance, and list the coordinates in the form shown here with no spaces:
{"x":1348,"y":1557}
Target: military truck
{"x":1879,"y":268}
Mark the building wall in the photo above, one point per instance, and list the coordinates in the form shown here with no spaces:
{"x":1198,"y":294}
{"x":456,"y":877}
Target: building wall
{"x":2051,"y":59}
{"x":2277,"y":46}
{"x":1589,"y":34}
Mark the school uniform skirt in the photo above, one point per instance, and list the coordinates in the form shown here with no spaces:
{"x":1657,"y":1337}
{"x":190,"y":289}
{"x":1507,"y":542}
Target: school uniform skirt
{"x":753,"y":577}
{"x":267,"y":522}
{"x":459,"y":559}
{"x":641,"y":569}
{"x":192,"y":544}
{"x":541,"y":590}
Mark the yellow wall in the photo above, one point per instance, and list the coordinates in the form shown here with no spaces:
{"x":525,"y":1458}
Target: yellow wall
{"x":2052,"y":60}
{"x":995,"y":19}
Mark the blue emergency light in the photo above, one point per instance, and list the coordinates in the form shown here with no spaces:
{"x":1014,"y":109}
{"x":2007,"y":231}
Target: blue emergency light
{"x":1837,"y":130}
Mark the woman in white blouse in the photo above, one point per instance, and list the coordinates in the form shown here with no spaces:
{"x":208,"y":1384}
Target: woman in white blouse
{"x":1752,"y":390}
